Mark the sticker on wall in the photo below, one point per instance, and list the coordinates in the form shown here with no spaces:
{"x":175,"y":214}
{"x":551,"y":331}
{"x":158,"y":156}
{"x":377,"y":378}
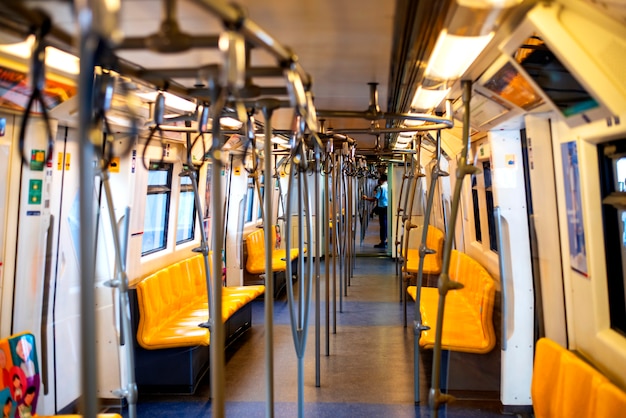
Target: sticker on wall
{"x":59,"y":161}
{"x":68,"y":158}
{"x":237,"y":171}
{"x":133,"y":163}
{"x":34,"y":192}
{"x":3,"y":126}
{"x":114,"y":165}
{"x":509,"y":160}
{"x":573,"y":201}
{"x":18,"y":357}
{"x":37,"y":159}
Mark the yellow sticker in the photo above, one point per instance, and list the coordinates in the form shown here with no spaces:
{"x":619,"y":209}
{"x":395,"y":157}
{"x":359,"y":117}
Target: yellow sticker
{"x":67,"y":161}
{"x":114,"y":165}
{"x":60,"y":161}
{"x":237,"y":171}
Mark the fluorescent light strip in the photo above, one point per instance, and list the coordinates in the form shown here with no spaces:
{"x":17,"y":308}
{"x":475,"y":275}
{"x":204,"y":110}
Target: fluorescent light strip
{"x":55,"y":58}
{"x":454,"y":54}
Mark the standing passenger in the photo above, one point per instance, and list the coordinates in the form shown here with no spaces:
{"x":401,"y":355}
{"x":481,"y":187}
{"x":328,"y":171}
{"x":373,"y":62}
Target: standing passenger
{"x":381,"y":209}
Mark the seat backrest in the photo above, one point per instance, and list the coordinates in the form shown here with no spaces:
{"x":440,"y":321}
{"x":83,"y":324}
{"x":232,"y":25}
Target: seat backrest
{"x":546,"y":369}
{"x":255,"y":245}
{"x":434,"y":240}
{"x":564,"y":385}
{"x":610,"y":401}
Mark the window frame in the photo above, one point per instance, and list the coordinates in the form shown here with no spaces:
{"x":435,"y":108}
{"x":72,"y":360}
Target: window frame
{"x":186,"y":188}
{"x":158,"y":189}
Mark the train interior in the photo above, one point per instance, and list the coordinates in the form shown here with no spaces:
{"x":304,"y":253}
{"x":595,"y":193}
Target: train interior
{"x":405,"y":208}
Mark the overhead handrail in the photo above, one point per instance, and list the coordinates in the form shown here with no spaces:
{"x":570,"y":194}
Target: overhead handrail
{"x":436,"y":398}
{"x":37,"y":86}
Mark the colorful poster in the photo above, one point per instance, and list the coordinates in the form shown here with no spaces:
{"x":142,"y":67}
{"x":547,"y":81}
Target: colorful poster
{"x":15,"y":91}
{"x":573,"y":201}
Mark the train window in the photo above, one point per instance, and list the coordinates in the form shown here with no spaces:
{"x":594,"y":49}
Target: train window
{"x":612,"y":161}
{"x":250,"y":199}
{"x":261,"y":191}
{"x":186,"y":211}
{"x":476,"y":205}
{"x":491,"y":223}
{"x":157,"y":208}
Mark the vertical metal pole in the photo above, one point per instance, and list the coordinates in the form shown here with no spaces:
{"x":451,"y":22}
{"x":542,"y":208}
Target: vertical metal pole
{"x":417,"y":318}
{"x":89,"y":372}
{"x":335,"y":237}
{"x":342,"y":235}
{"x":445,"y":284}
{"x":130,"y":391}
{"x":327,"y":240}
{"x":348,"y":264}
{"x":217,"y":232}
{"x":318,"y":237}
{"x":408,"y":226}
{"x":398,"y":214}
{"x":268,"y":223}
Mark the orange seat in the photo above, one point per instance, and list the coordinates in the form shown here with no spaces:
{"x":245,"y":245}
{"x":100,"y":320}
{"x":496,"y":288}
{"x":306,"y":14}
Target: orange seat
{"x":564,"y":385}
{"x":173,"y":301}
{"x":468,"y":313}
{"x":432,"y":262}
{"x":255,"y":246}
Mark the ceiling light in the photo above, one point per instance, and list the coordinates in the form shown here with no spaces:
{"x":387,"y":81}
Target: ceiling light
{"x":171,"y":101}
{"x":230,"y":123}
{"x":426,"y":99}
{"x":55,"y":58}
{"x":454,"y":54}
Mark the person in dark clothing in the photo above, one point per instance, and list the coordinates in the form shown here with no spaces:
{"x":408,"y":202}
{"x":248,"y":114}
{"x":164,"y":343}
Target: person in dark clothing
{"x":381,"y":199}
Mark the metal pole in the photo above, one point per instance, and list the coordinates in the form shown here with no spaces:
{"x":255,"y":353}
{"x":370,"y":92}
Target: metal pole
{"x":327,"y":240}
{"x":268,"y":223}
{"x":408,"y":226}
{"x":217,"y":230}
{"x":89,"y":372}
{"x":121,"y":282}
{"x":398,"y":214}
{"x":418,"y":327}
{"x":436,"y":398}
{"x":318,"y":238}
{"x":335,"y":237}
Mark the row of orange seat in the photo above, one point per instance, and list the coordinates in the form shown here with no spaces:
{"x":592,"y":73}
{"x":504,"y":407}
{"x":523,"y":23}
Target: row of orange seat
{"x":255,"y":246}
{"x":468,"y":314}
{"x":564,"y":385}
{"x":173,"y":301}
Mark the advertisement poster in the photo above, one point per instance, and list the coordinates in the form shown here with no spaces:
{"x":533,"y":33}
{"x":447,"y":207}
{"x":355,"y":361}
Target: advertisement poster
{"x":573,"y":200}
{"x":15,"y":91}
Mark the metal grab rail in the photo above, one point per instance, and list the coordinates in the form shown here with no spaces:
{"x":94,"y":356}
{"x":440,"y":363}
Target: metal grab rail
{"x":408,"y":225}
{"x":504,"y":264}
{"x":436,"y":398}
{"x":418,"y":327}
{"x":215,"y":308}
{"x":268,"y":110}
{"x":299,"y":315}
{"x":399,"y":210}
{"x":121,"y":283}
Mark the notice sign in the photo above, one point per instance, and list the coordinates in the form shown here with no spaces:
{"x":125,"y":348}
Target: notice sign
{"x":34,"y":192}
